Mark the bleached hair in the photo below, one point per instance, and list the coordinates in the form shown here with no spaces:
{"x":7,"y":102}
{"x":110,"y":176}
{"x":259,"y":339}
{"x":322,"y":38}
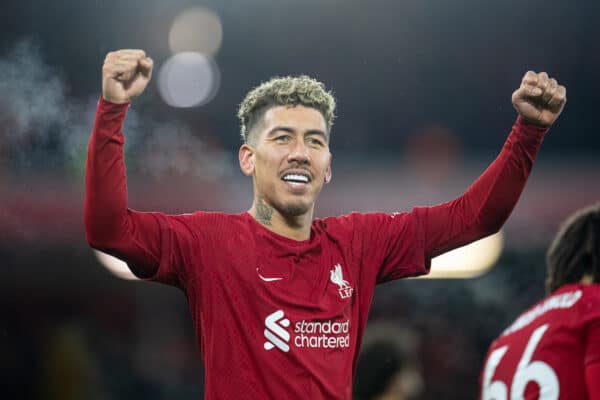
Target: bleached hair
{"x":285,"y":91}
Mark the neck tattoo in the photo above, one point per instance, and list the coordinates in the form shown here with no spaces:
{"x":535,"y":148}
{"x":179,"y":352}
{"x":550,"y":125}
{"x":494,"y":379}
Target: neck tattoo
{"x":263,"y":212}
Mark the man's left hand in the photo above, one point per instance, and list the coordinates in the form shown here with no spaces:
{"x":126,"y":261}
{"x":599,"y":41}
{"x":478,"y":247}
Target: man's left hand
{"x":540,"y":99}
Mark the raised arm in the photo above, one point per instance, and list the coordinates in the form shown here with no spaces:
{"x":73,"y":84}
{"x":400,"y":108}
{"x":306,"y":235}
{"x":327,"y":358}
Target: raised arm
{"x":109,"y":225}
{"x":488,"y":202}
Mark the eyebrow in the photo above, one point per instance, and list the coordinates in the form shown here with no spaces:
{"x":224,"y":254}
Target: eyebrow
{"x":288,"y":129}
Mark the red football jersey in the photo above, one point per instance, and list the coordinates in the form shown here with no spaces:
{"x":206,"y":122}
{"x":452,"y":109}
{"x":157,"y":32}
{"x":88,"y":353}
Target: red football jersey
{"x":551,"y":352}
{"x":278,"y":318}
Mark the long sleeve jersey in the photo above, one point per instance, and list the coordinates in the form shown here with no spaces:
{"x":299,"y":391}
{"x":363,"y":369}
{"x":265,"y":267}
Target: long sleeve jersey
{"x":275,"y":317}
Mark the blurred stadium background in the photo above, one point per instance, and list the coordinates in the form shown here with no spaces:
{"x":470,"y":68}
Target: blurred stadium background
{"x":423,"y":89}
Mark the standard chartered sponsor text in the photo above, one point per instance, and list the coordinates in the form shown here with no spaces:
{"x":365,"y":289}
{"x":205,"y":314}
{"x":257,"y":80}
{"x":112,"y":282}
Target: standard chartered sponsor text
{"x":322,"y":334}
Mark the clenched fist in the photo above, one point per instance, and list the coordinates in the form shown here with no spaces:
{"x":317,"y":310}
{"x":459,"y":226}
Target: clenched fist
{"x":125,"y":75}
{"x":540,"y":99}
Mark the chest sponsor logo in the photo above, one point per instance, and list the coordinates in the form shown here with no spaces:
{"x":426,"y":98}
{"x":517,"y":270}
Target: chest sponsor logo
{"x":275,"y":332}
{"x":336,"y":276}
{"x":320,"y":334}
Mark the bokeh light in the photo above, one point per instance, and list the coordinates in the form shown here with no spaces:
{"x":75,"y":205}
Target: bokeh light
{"x":117,"y":267}
{"x":468,"y":261}
{"x":188,"y":79}
{"x":196,"y":29}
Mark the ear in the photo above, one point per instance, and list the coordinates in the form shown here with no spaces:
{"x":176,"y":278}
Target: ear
{"x":246,"y":157}
{"x":328,"y":174}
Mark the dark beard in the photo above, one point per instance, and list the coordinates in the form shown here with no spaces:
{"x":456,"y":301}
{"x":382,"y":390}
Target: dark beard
{"x":293,"y":210}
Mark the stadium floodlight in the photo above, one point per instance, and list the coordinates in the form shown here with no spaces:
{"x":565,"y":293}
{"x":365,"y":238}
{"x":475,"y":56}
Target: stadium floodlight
{"x":469,"y":261}
{"x":117,"y":267}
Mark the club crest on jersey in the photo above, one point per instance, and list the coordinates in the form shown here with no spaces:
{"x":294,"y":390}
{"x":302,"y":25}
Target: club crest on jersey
{"x":337,"y":276}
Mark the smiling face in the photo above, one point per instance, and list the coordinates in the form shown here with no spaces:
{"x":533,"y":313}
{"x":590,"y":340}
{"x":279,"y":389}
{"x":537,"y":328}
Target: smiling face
{"x":288,"y":158}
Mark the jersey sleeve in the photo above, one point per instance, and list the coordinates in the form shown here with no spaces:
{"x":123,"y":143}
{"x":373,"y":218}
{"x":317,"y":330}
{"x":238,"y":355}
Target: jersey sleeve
{"x":410,"y":240}
{"x":393,"y":244}
{"x":488,"y":202}
{"x":154,"y":245}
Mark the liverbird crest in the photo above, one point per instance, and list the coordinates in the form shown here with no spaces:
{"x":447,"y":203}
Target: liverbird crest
{"x":337,"y":277}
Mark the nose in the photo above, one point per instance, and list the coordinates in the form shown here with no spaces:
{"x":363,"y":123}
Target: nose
{"x":299,"y":152}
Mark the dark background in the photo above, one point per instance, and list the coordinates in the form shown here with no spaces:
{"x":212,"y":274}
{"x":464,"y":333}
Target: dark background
{"x":423,"y":90}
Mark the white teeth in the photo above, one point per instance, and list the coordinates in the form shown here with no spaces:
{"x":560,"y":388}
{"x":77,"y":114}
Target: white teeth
{"x":295,"y":178}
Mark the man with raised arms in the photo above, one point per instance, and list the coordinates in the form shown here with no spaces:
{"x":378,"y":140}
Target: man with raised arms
{"x":258,"y":280}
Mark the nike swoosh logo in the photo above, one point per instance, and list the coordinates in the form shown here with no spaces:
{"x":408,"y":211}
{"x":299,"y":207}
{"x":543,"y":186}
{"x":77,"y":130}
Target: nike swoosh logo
{"x":267,"y":279}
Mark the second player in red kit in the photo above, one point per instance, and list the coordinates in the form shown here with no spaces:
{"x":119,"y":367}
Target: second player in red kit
{"x":552,"y":350}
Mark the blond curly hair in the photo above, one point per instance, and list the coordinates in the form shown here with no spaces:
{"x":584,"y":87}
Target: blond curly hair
{"x":285,"y":91}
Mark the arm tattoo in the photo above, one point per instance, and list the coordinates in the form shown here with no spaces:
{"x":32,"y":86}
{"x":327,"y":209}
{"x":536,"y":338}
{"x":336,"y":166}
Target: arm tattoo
{"x":263,"y":212}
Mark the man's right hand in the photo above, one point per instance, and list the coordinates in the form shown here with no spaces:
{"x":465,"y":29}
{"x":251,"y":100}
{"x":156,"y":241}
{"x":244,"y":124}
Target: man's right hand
{"x":125,"y":75}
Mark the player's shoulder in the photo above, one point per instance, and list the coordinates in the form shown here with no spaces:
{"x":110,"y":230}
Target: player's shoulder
{"x":207,"y":215}
{"x":357,"y":218}
{"x":208,"y":220}
{"x":589,"y":307}
{"x":565,"y":298}
{"x":591,"y":291}
{"x":344,"y":223}
{"x":582,"y":293}
{"x":339,"y":220}
{"x":335,"y":225}
{"x":360,"y":224}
